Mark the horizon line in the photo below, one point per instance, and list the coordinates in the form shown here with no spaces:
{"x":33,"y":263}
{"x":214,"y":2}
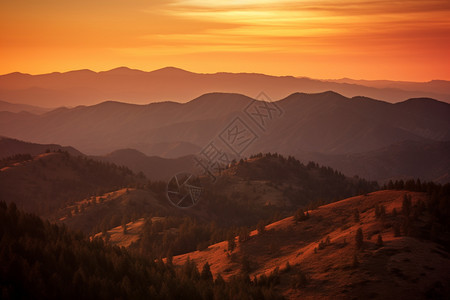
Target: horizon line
{"x":218,"y":72}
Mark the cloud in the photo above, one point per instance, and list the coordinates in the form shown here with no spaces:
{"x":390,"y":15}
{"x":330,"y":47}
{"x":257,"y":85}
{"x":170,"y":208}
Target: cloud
{"x":396,"y":32}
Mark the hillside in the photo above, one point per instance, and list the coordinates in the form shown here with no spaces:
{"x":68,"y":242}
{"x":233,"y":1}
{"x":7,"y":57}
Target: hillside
{"x":153,"y":167}
{"x":404,"y":266}
{"x":122,"y":84}
{"x":40,"y":260}
{"x":10,"y":147}
{"x":102,"y":212}
{"x":49,"y":181}
{"x":244,"y":195}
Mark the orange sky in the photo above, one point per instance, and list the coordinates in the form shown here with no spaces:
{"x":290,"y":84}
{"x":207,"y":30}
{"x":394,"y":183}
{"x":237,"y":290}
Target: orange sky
{"x":377,"y":39}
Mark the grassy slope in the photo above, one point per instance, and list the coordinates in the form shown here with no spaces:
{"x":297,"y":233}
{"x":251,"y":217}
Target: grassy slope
{"x":403,"y":267}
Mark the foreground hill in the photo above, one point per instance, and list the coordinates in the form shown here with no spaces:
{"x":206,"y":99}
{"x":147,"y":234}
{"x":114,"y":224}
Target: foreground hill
{"x":316,"y":257}
{"x":123,"y":84}
{"x":40,"y":260}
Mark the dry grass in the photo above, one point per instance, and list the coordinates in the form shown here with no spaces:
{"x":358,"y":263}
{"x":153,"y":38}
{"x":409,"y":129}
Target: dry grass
{"x":403,"y":268}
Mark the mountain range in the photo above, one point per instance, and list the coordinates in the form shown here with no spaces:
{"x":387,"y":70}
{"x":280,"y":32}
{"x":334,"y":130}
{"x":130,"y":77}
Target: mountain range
{"x":86,"y":87}
{"x":326,"y":127}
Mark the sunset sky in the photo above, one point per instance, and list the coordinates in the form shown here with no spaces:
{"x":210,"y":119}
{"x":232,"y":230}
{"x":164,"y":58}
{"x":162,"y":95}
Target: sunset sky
{"x":397,"y":40}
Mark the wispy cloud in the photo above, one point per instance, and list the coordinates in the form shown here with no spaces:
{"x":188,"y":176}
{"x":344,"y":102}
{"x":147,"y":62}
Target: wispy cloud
{"x":368,"y":34}
{"x":303,"y":20}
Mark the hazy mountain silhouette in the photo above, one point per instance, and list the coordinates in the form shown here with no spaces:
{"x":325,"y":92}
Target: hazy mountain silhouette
{"x":87,"y":87}
{"x":153,"y":167}
{"x":359,"y":135}
{"x":328,"y":123}
{"x":433,"y":86}
{"x":403,"y":160}
{"x":16,"y":107}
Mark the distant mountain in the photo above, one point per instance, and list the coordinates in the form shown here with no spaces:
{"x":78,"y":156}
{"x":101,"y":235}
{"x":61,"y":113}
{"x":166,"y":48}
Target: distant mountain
{"x":153,"y":167}
{"x":172,"y":149}
{"x":433,"y":86}
{"x":403,"y":160}
{"x":327,"y":123}
{"x":10,"y":147}
{"x":122,"y":84}
{"x":15,"y":107}
{"x":109,"y":126}
{"x":327,"y":127}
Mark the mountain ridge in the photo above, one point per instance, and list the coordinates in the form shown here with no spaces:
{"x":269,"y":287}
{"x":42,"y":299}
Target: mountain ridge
{"x":124,"y":84}
{"x":345,"y":125}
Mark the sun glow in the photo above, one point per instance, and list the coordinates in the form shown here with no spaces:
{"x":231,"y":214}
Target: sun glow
{"x":377,"y":39}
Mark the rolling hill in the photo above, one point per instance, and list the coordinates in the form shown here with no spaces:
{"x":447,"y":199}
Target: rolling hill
{"x":260,"y":189}
{"x":318,"y":258}
{"x":153,"y":167}
{"x":47,"y":182}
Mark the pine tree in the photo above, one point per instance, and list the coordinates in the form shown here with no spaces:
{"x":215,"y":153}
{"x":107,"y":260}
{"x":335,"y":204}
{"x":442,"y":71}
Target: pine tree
{"x":379,"y":241}
{"x":394,"y":212}
{"x":406,"y":205}
{"x":287,"y":267}
{"x":206,"y":272}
